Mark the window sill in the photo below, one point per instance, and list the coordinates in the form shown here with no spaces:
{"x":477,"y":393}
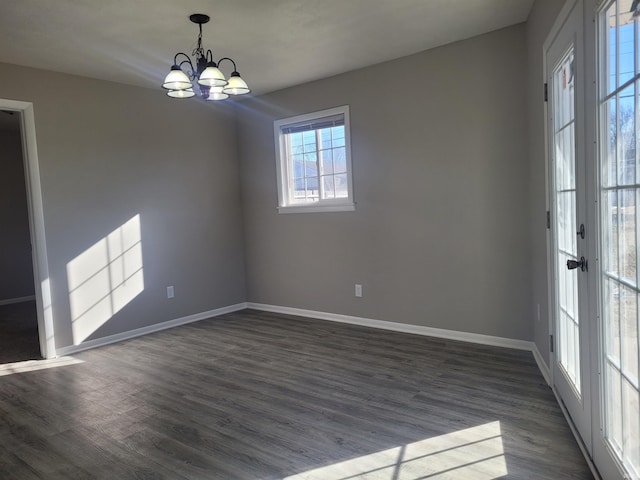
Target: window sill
{"x":342,"y":207}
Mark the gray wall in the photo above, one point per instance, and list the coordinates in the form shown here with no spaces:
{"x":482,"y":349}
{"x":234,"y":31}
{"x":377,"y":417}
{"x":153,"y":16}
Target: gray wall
{"x":109,"y":152}
{"x":440,"y":235}
{"x":447,"y":178}
{"x":540,"y":21}
{"x":16,"y":273}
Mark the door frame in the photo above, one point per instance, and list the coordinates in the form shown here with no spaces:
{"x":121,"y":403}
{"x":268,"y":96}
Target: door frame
{"x":582,"y":402}
{"x":587,"y":99}
{"x":608,"y":466}
{"x":36,"y":224}
{"x":551,"y":314}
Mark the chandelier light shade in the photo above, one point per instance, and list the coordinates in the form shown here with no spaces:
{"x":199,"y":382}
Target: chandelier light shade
{"x":216,"y":93}
{"x":176,"y":79}
{"x":188,"y":93}
{"x":212,"y":77}
{"x":236,"y":85}
{"x":202,"y":73}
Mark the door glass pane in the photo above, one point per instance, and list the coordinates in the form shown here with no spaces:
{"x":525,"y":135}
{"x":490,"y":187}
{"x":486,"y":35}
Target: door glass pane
{"x":614,"y":402}
{"x":611,"y":307}
{"x":631,"y":446}
{"x":626,"y":42}
{"x":610,"y":232}
{"x":568,"y":328}
{"x":620,"y":194}
{"x":627,"y":235}
{"x":611,"y":41}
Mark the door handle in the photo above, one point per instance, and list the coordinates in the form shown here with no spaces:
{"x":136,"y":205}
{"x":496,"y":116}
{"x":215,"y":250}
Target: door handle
{"x":573,"y":264}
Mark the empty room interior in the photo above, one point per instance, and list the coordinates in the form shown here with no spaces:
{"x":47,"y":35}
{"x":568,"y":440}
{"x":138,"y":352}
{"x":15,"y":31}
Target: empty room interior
{"x":334,"y":240}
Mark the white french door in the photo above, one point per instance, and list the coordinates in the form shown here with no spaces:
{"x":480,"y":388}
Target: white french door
{"x":569,"y":239}
{"x":593,"y":74}
{"x":617,"y":446}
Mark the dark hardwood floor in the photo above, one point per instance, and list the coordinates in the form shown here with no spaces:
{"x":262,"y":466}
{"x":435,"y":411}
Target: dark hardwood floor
{"x":18,"y":332}
{"x":254,"y":395}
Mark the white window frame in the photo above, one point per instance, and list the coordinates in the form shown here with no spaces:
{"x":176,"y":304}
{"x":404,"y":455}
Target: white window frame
{"x":284,"y":173}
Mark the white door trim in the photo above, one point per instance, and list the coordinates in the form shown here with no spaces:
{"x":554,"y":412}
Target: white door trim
{"x":36,"y":224}
{"x":555,"y":29}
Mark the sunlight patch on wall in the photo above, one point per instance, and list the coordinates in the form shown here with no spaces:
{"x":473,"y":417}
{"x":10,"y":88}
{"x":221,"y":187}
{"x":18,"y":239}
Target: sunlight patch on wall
{"x":105,"y":278}
{"x":475,"y":453}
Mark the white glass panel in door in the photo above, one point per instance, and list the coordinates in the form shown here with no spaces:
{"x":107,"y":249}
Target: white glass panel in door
{"x":568,"y":318}
{"x":619,"y":197}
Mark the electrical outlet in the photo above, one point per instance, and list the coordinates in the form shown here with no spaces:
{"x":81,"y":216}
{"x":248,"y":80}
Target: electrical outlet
{"x":358,"y":290}
{"x":170,"y":292}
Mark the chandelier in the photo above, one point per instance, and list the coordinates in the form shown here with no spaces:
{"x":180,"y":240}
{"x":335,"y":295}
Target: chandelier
{"x":203,"y":72}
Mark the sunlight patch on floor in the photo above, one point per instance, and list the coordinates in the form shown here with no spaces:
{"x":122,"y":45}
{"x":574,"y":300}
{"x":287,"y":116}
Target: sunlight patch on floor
{"x":34,"y":365}
{"x":475,"y":453}
{"x":104,"y":278}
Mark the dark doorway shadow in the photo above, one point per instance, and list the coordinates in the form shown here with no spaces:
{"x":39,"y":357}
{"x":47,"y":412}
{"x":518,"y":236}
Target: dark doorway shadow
{"x":19,"y":332}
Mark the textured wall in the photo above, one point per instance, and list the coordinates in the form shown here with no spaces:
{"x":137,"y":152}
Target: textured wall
{"x":440,"y":235}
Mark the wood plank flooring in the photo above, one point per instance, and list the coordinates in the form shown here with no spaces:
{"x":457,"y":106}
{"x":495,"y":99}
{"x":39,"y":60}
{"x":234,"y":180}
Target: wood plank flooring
{"x":255,"y":395}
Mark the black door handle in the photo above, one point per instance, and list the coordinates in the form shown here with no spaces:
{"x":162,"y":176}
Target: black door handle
{"x":573,"y":264}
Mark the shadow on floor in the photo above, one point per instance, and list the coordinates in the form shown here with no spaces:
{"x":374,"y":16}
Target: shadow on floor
{"x":19,"y":333}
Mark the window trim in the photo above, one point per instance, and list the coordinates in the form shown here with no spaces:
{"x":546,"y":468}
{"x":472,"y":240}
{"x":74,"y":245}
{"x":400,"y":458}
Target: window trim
{"x":283,"y":167}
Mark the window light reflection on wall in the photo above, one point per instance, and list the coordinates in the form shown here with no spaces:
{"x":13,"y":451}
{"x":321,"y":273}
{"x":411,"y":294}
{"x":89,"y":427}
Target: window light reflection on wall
{"x":105,"y":278}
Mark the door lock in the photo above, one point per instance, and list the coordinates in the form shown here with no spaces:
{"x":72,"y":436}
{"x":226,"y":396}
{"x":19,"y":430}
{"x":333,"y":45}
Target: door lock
{"x":581,"y":231}
{"x":573,"y":264}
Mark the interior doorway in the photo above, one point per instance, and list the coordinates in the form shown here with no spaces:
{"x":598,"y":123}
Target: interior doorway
{"x":18,"y":317}
{"x":44,"y":310}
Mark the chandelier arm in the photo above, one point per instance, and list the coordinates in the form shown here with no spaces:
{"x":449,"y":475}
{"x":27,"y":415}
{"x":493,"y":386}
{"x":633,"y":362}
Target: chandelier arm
{"x":209,"y":56}
{"x":188,"y":59}
{"x":227,"y":58}
{"x":192,"y":72}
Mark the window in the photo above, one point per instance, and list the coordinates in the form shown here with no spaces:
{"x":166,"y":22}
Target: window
{"x":313,"y":159}
{"x":620,"y":236}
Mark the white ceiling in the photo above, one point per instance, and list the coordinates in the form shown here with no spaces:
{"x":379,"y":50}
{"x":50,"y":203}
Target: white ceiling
{"x":275,"y":43}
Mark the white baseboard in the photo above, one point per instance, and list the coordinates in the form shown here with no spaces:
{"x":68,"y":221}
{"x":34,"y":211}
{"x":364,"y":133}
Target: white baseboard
{"x":398,"y":327}
{"x":9,"y":301}
{"x":119,"y":337}
{"x":334,"y":317}
{"x":542,"y":365}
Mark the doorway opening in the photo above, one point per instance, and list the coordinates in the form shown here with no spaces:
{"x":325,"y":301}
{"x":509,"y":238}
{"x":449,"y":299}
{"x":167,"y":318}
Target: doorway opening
{"x":24,"y":115}
{"x":18,"y":318}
